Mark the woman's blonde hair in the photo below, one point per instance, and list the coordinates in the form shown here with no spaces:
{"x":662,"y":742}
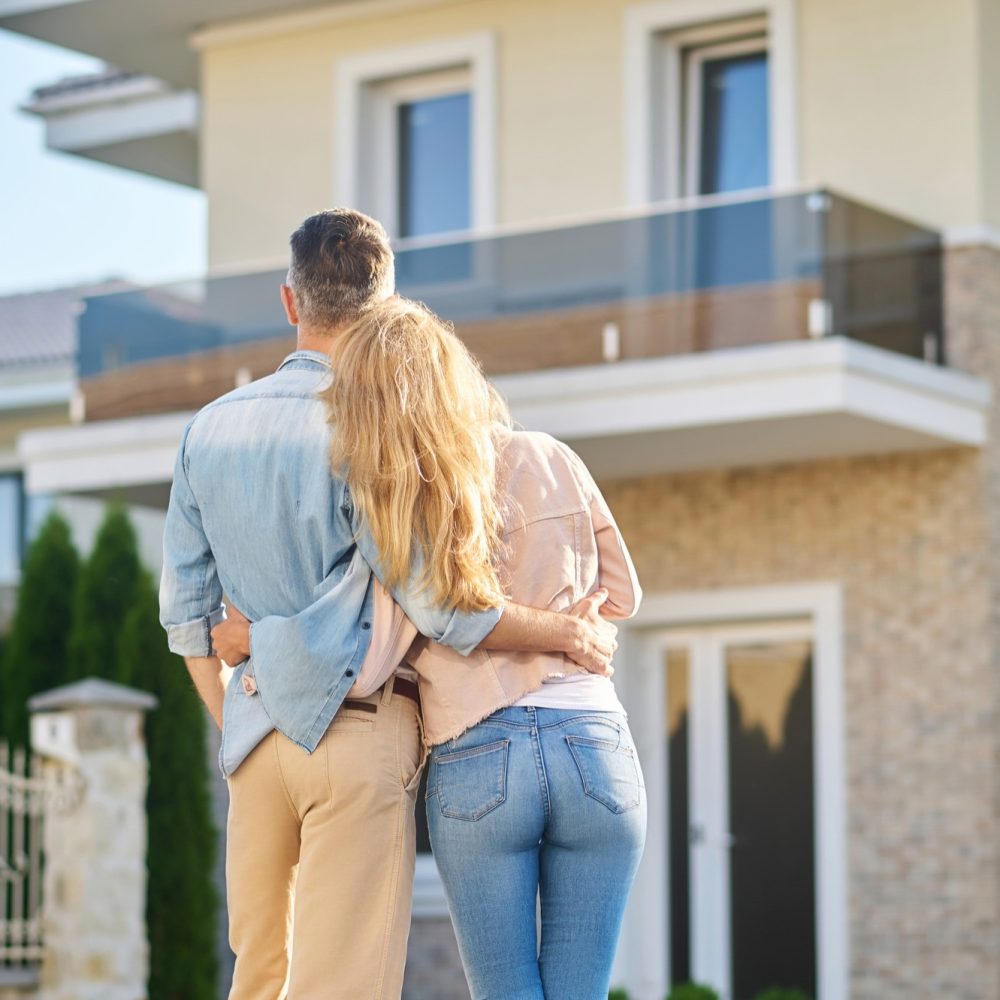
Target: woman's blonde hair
{"x":415,"y":437}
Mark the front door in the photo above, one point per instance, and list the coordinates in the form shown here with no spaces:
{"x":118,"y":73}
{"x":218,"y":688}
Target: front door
{"x":740,"y":807}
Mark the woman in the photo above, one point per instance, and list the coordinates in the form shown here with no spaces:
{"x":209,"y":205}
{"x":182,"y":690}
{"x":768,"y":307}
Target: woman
{"x":534,"y":786}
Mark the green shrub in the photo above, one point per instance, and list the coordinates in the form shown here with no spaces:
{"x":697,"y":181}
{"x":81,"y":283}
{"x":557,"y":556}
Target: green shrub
{"x":692,"y":991}
{"x":35,"y":653}
{"x":181,"y":901}
{"x":618,"y":994}
{"x":778,"y":993}
{"x":105,"y":592}
{"x":103,"y":620}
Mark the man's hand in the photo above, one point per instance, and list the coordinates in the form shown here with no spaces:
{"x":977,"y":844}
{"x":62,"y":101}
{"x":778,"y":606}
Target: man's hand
{"x":231,"y":638}
{"x":597,"y":638}
{"x":580,"y":633}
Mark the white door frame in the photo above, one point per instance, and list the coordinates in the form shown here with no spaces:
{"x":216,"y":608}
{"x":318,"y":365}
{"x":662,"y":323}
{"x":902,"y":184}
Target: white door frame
{"x":642,"y":962}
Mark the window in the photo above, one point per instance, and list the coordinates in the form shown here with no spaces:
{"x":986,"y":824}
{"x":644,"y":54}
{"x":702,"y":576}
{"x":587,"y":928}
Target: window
{"x":420,"y":155}
{"x":710,"y":98}
{"x":11,"y":527}
{"x":728,"y":135}
{"x":415,"y":135}
{"x":21,"y":515}
{"x":714,"y":98}
{"x":433,"y":165}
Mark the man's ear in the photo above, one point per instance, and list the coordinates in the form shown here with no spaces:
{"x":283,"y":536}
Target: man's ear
{"x":288,"y":301}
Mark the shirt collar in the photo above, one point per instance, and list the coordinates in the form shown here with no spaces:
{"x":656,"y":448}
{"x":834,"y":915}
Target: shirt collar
{"x":306,"y":360}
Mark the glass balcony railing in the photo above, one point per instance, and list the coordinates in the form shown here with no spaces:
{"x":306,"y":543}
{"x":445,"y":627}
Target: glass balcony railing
{"x":713,"y":275}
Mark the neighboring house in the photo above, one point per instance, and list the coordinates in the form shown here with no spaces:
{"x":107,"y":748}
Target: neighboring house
{"x":37,"y":386}
{"x":680,"y":235}
{"x":38,"y":391}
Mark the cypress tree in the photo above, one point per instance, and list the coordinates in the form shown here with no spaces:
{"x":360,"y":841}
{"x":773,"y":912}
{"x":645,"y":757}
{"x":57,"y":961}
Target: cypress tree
{"x":106,"y":590}
{"x":181,"y":900}
{"x":35,"y":653}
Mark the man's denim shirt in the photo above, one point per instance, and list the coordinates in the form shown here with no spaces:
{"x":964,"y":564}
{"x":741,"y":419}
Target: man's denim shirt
{"x":256,"y":514}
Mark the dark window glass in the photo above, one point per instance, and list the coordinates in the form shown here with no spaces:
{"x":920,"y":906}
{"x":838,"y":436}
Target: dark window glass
{"x":434,"y":165}
{"x":678,"y":729}
{"x":11,"y":527}
{"x":734,"y":124}
{"x":771,"y":795}
{"x":423,"y":835}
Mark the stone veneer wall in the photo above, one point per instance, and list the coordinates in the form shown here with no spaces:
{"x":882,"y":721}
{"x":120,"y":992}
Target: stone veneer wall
{"x":907,"y":538}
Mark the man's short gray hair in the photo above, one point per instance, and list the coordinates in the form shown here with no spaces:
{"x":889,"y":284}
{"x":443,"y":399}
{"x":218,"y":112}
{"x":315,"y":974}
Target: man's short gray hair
{"x":341,"y":263}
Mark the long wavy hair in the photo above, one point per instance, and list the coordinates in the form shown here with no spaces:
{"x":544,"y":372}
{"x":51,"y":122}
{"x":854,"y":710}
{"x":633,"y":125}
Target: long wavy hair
{"x":416,"y":436}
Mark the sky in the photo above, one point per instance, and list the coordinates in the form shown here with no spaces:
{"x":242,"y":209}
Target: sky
{"x":65,"y":220}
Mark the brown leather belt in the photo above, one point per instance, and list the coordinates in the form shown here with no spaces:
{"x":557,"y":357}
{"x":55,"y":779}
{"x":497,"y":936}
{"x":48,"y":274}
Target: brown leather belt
{"x":407,"y":688}
{"x":402,"y":686}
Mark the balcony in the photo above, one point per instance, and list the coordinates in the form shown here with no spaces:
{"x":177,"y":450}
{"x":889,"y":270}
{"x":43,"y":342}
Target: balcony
{"x":125,"y":119}
{"x":152,"y":37}
{"x":739,"y":331}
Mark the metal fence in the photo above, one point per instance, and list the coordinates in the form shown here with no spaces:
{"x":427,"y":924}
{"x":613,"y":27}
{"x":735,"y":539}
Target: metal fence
{"x":28,"y":792}
{"x":23,"y":799}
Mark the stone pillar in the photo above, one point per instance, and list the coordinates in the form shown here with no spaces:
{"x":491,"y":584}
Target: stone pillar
{"x":94,"y":889}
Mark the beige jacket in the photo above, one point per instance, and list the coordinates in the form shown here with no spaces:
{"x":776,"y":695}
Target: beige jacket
{"x":562,"y":545}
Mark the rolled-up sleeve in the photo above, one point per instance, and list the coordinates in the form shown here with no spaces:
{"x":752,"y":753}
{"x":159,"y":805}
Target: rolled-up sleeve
{"x":190,"y":591}
{"x":463,"y":631}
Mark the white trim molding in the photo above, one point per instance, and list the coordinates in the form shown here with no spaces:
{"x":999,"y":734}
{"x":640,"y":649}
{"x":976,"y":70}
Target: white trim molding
{"x":102,"y":455}
{"x":103,"y":123}
{"x":14,"y":8}
{"x":789,"y":402}
{"x":642,"y":962}
{"x":645,"y":26}
{"x":268,"y":26}
{"x":976,"y":235}
{"x":35,"y":395}
{"x":355,"y":75}
{"x":773,"y":403}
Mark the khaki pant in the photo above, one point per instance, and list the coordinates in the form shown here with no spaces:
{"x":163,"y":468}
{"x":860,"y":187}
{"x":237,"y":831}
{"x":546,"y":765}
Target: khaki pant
{"x":320,"y":857}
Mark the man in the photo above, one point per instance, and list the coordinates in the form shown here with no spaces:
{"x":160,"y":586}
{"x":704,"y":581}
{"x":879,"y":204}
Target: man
{"x":320,"y":851}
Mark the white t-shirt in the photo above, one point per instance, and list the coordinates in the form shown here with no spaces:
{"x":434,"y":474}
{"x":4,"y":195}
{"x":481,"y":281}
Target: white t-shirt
{"x":588,"y":692}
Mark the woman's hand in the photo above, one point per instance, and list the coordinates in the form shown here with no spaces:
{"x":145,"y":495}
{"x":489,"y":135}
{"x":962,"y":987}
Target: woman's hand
{"x":231,"y":638}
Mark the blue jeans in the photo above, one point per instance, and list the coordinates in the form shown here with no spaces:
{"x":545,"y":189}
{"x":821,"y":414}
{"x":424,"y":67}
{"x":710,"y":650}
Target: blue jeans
{"x":547,"y":802}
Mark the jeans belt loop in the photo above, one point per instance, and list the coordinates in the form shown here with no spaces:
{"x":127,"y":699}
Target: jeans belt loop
{"x":387,"y":689}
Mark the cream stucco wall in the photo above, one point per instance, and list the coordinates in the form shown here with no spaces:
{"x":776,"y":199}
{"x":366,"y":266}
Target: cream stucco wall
{"x":270,"y":105}
{"x":891,"y":109}
{"x":14,"y":423}
{"x":988,"y":34}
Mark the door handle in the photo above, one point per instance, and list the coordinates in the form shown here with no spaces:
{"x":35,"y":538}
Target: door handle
{"x":698,"y":837}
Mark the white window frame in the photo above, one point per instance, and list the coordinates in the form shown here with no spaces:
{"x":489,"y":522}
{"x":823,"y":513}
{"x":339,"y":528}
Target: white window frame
{"x":642,"y":961}
{"x":693,"y":61}
{"x":391,"y":73}
{"x":379,"y":149}
{"x":653,"y":111}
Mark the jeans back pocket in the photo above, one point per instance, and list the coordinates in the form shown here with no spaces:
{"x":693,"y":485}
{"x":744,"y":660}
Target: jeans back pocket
{"x":470,"y":783}
{"x":608,"y":772}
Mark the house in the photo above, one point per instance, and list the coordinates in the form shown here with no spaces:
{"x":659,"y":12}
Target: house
{"x":744,"y":256}
{"x":37,"y":373}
